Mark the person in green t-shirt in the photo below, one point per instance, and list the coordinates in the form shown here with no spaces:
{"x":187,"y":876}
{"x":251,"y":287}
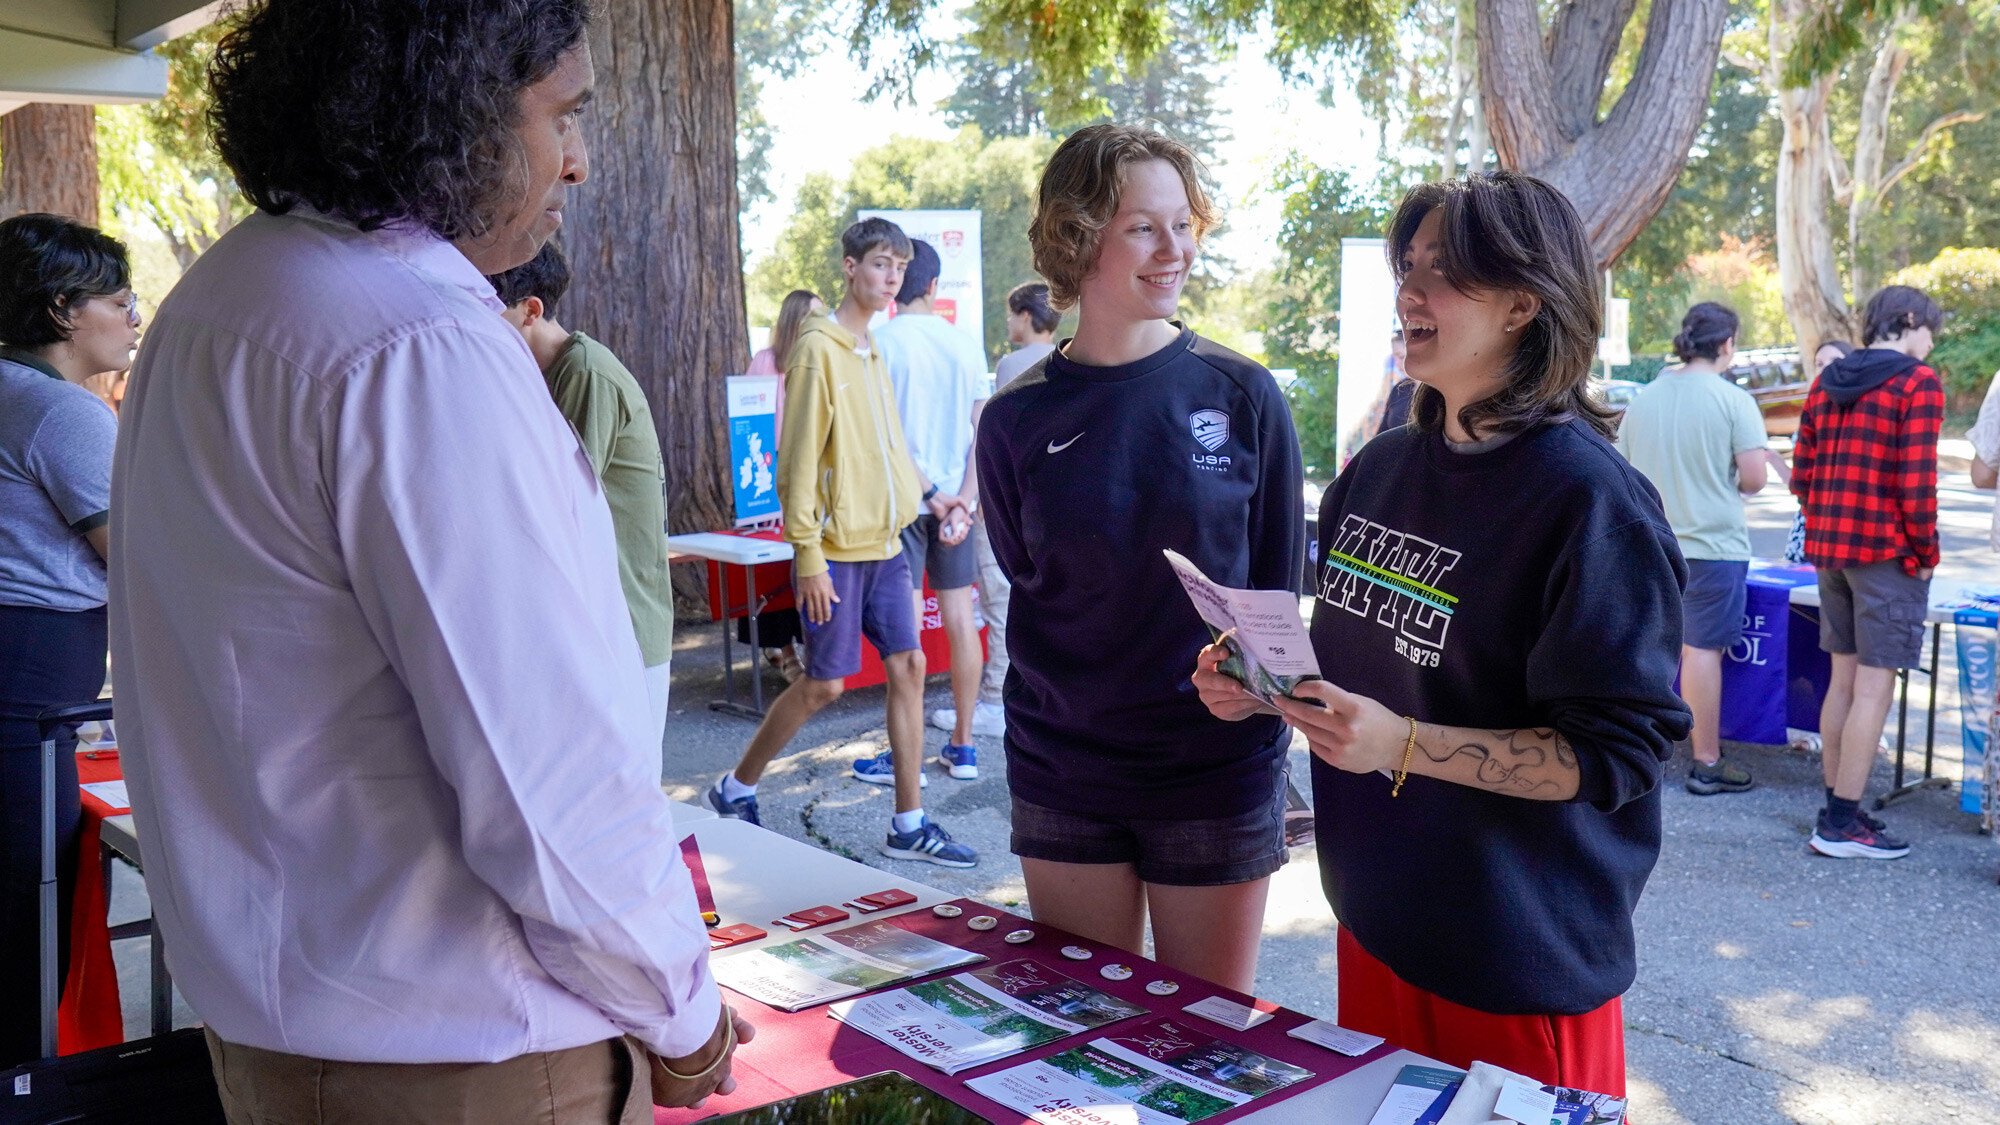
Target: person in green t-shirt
{"x":1700,"y":439}
{"x":605,"y":405}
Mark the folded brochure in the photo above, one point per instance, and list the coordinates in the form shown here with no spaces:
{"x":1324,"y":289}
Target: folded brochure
{"x":1155,"y":1072}
{"x":1427,"y":1095}
{"x":834,"y":964}
{"x":1270,"y":651}
{"x":954,"y":1023}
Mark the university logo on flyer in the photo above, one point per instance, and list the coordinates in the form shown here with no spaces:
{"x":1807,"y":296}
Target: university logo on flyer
{"x":1394,"y":579}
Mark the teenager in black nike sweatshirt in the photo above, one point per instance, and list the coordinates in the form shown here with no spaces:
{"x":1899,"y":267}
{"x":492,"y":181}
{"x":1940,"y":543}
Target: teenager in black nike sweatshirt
{"x":1136,"y":435}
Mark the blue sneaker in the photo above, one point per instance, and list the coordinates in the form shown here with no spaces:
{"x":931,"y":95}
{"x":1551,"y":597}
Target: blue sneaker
{"x":930,"y":843}
{"x":881,"y":770}
{"x":962,"y":762}
{"x":742,"y":808}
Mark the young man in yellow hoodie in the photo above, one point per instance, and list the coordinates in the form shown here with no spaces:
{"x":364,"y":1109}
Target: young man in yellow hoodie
{"x":848,"y":488}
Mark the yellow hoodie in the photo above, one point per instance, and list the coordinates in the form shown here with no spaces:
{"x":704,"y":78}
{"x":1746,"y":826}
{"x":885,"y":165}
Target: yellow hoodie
{"x":845,"y":478}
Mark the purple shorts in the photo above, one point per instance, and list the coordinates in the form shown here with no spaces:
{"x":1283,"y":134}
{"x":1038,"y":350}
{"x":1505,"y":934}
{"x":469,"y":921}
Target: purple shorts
{"x":875,"y":602}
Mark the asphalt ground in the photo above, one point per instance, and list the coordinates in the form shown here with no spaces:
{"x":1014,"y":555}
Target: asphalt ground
{"x":1773,"y":986}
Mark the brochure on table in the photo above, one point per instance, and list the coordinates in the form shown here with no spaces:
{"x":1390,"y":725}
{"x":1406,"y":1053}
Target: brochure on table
{"x":1157,"y":1072}
{"x":963,"y":1021}
{"x":1270,"y":649}
{"x":837,"y":964}
{"x":1489,"y":1095}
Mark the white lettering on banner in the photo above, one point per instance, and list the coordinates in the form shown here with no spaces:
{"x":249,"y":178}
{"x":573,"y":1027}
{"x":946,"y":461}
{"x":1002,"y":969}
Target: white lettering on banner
{"x":1749,"y":648}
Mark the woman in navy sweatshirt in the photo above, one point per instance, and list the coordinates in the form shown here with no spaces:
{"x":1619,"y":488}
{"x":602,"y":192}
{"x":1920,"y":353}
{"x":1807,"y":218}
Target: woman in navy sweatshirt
{"x":1498,"y":619}
{"x":1130,"y":799}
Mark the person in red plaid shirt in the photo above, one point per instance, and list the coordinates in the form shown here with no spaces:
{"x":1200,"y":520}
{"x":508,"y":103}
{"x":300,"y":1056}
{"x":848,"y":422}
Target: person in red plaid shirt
{"x":1865,"y":471}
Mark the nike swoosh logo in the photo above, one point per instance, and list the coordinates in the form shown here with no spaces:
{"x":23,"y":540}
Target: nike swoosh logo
{"x":1054,"y":448}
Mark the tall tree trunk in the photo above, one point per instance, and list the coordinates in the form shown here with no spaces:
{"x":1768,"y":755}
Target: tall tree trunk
{"x":1454,"y":127}
{"x":1808,"y":276}
{"x":1541,"y":92}
{"x":653,"y":239}
{"x":48,"y":161}
{"x":1871,"y":146}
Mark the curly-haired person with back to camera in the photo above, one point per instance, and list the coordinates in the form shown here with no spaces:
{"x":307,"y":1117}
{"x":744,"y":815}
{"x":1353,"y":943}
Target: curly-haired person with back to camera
{"x":380,"y":693}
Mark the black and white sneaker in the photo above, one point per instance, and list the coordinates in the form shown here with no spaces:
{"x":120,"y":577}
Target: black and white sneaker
{"x":1857,"y":840}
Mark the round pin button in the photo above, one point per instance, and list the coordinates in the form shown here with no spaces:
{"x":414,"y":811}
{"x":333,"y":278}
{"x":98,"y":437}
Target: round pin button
{"x":983,"y":922}
{"x":1020,"y":937}
{"x":1076,"y":953}
{"x":1162,"y":987}
{"x":1116,"y":972}
{"x":946,"y":910}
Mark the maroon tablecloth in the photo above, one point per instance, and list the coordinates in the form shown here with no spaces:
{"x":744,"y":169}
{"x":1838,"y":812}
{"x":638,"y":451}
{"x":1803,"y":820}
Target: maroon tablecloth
{"x":795,"y":1052}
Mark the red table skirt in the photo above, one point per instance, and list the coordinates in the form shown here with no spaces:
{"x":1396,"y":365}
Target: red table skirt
{"x":91,"y":1016}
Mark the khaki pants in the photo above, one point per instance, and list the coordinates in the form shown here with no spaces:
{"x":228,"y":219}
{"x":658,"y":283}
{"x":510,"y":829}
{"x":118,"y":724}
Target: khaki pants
{"x":606,"y":1083}
{"x":994,"y":590}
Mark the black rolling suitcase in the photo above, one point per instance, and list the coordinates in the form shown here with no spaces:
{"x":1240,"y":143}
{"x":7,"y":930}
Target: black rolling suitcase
{"x":165,"y":1079}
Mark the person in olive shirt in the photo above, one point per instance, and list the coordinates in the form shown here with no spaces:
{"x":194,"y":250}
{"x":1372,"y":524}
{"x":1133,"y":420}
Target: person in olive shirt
{"x":605,"y":404}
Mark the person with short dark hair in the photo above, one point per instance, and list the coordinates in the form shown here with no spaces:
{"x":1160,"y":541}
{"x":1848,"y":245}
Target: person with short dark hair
{"x":1700,"y":439}
{"x":384,"y":714}
{"x":1829,"y":351}
{"x":67,"y":314}
{"x":1498,"y":619}
{"x":848,"y":487}
{"x":1864,"y":467}
{"x":1132,"y":806}
{"x":939,"y":373}
{"x":608,"y":409}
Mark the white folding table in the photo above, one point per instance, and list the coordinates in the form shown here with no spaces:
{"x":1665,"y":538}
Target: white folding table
{"x":749,"y":553}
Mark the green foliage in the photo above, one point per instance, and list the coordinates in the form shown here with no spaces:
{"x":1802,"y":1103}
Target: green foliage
{"x":1967,"y":283}
{"x":1321,"y":207}
{"x":1836,"y":29}
{"x":995,"y":177}
{"x":774,"y":39}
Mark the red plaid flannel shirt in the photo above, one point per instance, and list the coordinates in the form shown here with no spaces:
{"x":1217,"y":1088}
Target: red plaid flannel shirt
{"x":1866,"y":473}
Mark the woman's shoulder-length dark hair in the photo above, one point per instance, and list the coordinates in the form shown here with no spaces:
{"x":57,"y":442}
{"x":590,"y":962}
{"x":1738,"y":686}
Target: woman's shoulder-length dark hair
{"x":1508,"y":231}
{"x":378,"y":111}
{"x":48,"y":265}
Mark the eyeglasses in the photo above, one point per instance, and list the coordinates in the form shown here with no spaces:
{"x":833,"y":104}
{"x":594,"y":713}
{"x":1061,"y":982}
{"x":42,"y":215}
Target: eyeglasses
{"x":128,"y":301}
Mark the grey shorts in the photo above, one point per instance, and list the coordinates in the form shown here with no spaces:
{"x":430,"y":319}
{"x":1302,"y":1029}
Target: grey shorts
{"x":1874,"y":612}
{"x":1173,"y":853}
{"x":951,"y":567}
{"x":1712,"y":604}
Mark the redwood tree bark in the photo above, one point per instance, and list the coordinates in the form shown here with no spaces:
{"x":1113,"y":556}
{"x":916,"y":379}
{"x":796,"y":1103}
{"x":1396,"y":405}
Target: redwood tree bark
{"x":1542,"y":88}
{"x":48,"y":161}
{"x":652,"y":237}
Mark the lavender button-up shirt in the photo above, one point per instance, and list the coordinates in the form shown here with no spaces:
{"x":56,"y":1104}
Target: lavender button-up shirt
{"x":384,"y":724}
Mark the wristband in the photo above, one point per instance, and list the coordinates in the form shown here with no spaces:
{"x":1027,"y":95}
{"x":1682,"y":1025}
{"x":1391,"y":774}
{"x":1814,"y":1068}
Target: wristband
{"x":722,"y":1056}
{"x":929,"y":492}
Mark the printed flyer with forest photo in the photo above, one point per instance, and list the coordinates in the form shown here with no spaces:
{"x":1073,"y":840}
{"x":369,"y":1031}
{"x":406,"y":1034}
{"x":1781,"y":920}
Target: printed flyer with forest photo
{"x":837,"y":964}
{"x":1158,"y":1072}
{"x":954,"y":1023}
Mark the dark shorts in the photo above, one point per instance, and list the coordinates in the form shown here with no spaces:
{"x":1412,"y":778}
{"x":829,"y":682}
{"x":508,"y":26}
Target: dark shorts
{"x":1712,"y":604}
{"x":951,"y":567}
{"x":1174,"y":853}
{"x":874,"y":603}
{"x":1874,"y":612}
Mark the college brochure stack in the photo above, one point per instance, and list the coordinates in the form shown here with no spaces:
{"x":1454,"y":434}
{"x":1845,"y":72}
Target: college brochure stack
{"x":1490,"y":1095}
{"x":962,"y":1021}
{"x":1156,"y":1072}
{"x":837,"y":964}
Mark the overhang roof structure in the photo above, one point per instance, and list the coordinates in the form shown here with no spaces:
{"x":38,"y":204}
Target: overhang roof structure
{"x":90,"y":52}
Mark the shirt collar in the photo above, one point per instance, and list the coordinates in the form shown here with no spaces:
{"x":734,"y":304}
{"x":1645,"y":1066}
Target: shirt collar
{"x":26,"y":358}
{"x":423,"y":250}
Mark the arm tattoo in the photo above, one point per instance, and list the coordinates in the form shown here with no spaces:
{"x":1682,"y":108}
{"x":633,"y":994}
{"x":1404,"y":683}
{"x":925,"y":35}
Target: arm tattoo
{"x":1537,"y":763}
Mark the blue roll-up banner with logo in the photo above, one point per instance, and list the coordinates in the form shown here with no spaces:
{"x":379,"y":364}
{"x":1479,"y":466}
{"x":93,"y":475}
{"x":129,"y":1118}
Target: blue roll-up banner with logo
{"x":753,"y":447}
{"x":1974,"y":622}
{"x":1765,"y":669}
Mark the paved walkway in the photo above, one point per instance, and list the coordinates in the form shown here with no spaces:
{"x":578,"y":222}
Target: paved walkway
{"x":1774,"y":986}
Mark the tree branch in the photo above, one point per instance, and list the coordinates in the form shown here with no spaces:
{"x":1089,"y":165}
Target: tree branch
{"x":1516,"y":85}
{"x":1836,"y":169}
{"x":1921,"y":146}
{"x":1581,"y":46}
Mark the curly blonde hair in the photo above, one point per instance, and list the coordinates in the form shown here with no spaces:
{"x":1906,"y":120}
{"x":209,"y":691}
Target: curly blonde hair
{"x":1079,"y":196}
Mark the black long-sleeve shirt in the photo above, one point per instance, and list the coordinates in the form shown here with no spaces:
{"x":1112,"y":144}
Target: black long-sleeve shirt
{"x":1533,"y":585}
{"x":1086,"y":474}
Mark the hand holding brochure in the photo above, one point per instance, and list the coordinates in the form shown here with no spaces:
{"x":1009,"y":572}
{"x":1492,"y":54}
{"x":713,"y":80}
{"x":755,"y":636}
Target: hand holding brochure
{"x":837,"y":963}
{"x":1271,"y":652}
{"x":963,"y":1021}
{"x":1158,"y":1072}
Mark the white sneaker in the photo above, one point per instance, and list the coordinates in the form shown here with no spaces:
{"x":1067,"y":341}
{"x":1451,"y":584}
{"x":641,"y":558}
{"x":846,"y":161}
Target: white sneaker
{"x":989,"y":720}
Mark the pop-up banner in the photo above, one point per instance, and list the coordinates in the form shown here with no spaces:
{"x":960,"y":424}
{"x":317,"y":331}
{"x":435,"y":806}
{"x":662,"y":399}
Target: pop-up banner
{"x":955,"y":235}
{"x":753,"y":446}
